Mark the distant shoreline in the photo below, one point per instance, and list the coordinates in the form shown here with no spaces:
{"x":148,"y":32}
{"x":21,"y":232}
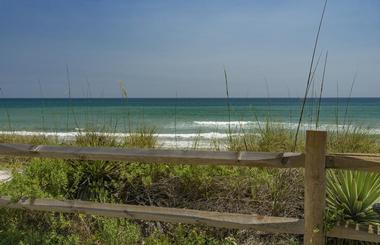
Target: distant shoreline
{"x":174,"y":98}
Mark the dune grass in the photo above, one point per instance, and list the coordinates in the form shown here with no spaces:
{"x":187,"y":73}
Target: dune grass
{"x":229,"y":189}
{"x":216,"y":188}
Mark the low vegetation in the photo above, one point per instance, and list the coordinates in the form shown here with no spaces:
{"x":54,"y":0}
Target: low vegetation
{"x":217,"y":188}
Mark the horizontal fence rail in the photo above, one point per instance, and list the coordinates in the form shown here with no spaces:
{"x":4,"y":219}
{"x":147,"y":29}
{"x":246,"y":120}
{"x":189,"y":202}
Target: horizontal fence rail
{"x":364,"y":162}
{"x":254,"y":159}
{"x":188,"y":216}
{"x":314,"y":165}
{"x":354,"y":161}
{"x":173,"y":215}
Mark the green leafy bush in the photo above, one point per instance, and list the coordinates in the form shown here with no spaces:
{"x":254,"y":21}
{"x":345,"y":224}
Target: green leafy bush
{"x":219,"y":188}
{"x":42,"y":178}
{"x":28,"y":227}
{"x":118,"y":231}
{"x":352,"y":194}
{"x":94,"y":180}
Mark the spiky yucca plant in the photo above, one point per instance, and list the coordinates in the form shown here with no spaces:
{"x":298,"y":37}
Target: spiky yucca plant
{"x":352,"y":194}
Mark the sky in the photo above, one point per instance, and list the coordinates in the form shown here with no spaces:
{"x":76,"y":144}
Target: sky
{"x":163,"y":48}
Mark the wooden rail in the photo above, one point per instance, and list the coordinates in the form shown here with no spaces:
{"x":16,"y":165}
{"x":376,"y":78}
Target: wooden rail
{"x":152,"y":156}
{"x":361,"y":233}
{"x":315,"y":163}
{"x":173,"y":215}
{"x":354,"y":161}
{"x":365,"y":162}
{"x":188,"y":216}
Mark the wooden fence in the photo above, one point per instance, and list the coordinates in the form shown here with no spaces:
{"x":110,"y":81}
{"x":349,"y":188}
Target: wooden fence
{"x":315,"y":161}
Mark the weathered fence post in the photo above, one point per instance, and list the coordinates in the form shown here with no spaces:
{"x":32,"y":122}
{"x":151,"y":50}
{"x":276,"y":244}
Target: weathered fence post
{"x":315,"y":187}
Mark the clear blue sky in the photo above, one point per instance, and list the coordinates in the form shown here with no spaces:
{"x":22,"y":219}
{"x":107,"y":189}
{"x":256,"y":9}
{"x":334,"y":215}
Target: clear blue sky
{"x":160,"y":47}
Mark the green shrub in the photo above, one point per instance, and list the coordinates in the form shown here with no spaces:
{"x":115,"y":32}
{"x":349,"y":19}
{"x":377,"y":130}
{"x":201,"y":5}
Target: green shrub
{"x":157,"y":238}
{"x":220,"y":188}
{"x":352,"y":194}
{"x":115,"y":231}
{"x":42,"y":178}
{"x":28,"y":227}
{"x":94,"y":180}
{"x":192,"y":236}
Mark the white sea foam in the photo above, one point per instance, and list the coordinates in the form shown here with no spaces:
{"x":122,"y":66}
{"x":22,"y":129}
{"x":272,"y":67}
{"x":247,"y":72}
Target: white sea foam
{"x":186,"y":140}
{"x":285,"y":125}
{"x":165,"y":140}
{"x":210,"y":135}
{"x":222,"y":123}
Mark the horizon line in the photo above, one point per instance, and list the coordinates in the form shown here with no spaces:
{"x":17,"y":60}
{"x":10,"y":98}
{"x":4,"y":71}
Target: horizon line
{"x":329,"y":97}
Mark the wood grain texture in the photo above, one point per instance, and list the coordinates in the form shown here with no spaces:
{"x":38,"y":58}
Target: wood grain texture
{"x":351,"y":233}
{"x":364,"y":162}
{"x":252,"y":159}
{"x":173,"y":215}
{"x":354,"y":161}
{"x":315,"y":187}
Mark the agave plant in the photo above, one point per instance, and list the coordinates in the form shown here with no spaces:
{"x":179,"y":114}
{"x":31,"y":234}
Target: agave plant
{"x":352,"y":194}
{"x":94,"y":180}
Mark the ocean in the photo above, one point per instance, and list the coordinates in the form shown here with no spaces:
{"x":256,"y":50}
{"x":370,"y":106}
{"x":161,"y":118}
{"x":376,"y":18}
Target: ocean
{"x":180,"y":121}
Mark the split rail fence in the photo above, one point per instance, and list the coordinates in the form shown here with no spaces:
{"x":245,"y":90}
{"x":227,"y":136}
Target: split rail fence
{"x":314,"y":160}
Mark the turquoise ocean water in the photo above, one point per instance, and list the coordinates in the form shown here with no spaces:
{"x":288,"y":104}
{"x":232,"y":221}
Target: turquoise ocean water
{"x":184,"y":119}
